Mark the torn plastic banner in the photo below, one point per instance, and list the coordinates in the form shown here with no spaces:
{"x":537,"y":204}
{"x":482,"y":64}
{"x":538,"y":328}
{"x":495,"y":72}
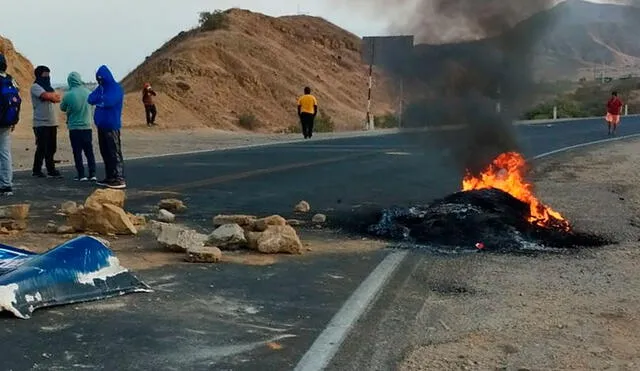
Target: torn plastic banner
{"x":82,"y":269}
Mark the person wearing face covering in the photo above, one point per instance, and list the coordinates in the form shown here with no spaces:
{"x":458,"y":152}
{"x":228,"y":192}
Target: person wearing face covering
{"x":10,"y":103}
{"x":45,"y":127}
{"x":108,"y":98}
{"x":150,"y":109}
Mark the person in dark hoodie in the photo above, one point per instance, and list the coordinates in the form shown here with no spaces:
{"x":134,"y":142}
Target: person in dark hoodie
{"x":108,"y":98}
{"x":45,"y":127}
{"x":10,"y":103}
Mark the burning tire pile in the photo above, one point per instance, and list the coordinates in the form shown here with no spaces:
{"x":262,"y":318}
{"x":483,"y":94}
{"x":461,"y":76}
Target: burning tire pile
{"x":496,"y":210}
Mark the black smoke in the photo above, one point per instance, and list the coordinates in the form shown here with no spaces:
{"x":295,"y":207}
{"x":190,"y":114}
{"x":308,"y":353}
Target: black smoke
{"x":462,"y":83}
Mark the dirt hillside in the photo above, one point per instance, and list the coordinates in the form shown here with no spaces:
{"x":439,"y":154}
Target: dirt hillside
{"x":258,"y":66}
{"x":22,"y":71}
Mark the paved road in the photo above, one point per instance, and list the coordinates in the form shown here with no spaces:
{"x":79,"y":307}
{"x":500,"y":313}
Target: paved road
{"x":221,"y":317}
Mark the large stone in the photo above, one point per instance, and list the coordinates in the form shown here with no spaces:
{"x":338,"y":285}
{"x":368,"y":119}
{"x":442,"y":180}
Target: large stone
{"x":176,"y":238}
{"x":241,"y":220}
{"x":13,"y":225}
{"x":303,"y":207}
{"x":165,"y":216}
{"x":69,"y":207}
{"x":109,"y":196}
{"x":105,"y":219}
{"x":204,"y":254}
{"x":228,"y":236}
{"x":173,"y":205}
{"x":262,"y":224}
{"x":319,"y":218}
{"x":15,"y":212}
{"x":276,"y":239}
{"x":65,"y":229}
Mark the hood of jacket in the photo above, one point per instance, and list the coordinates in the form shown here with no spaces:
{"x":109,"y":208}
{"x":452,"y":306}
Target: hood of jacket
{"x":74,"y":80}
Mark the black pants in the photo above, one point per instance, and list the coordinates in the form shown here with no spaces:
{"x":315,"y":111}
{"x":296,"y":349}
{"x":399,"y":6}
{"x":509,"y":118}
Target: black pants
{"x":111,"y":151}
{"x":81,"y":143}
{"x":306,"y":120}
{"x":46,"y":146}
{"x":150,"y":111}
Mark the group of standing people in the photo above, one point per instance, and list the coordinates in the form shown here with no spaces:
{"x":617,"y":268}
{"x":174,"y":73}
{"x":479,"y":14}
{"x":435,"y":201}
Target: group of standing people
{"x":103,"y":105}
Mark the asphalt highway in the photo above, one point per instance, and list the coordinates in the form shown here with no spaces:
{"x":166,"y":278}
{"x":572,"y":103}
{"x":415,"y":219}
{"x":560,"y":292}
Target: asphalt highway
{"x":228,"y":317}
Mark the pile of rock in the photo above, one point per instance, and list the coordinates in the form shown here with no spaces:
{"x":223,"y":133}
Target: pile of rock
{"x":269,"y":235}
{"x":13,"y":218}
{"x":168,"y":208}
{"x":102,"y":213}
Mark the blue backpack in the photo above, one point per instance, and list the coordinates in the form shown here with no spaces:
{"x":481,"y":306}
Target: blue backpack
{"x":10,"y":102}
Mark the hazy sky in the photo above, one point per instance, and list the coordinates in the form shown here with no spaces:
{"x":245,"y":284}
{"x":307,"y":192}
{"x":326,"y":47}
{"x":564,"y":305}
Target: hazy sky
{"x":80,"y":35}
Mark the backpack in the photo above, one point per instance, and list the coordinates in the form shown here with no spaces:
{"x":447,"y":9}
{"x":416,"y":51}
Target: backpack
{"x":10,"y":102}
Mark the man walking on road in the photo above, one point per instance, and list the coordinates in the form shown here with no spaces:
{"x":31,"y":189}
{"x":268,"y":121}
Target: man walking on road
{"x":10,"y":103}
{"x":74,"y":104}
{"x":150,"y":110}
{"x":614,"y":105}
{"x":307,"y":111}
{"x":45,"y":128}
{"x":108,"y":98}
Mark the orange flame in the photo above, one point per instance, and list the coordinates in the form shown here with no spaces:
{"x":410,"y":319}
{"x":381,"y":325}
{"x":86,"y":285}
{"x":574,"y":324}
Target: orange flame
{"x":506,"y":173}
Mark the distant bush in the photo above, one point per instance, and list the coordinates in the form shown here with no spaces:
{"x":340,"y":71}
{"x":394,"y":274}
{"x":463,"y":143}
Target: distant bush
{"x":323,"y":123}
{"x":211,"y":21}
{"x":388,"y":121}
{"x":248,"y":121}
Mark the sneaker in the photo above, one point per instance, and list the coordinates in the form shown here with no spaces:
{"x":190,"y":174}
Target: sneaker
{"x":79,"y":179}
{"x":55,"y":174}
{"x":93,"y":179}
{"x":6,"y":191}
{"x":39,"y":175}
{"x":115,"y":184}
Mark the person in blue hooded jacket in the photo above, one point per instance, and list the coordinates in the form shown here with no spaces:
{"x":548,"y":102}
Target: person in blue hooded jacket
{"x":108,"y":98}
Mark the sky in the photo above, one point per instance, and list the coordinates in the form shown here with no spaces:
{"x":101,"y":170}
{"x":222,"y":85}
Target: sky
{"x":81,"y":35}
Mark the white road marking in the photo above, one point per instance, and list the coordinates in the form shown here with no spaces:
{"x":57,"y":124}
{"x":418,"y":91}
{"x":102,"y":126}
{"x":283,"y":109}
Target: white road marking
{"x":328,"y":343}
{"x":330,"y":340}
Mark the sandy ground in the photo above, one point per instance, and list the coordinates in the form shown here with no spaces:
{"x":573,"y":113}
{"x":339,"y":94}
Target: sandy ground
{"x":151,"y":141}
{"x":552,"y":312}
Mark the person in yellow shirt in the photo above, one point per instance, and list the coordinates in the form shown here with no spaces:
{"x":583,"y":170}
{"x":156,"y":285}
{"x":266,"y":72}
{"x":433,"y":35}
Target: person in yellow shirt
{"x":307,"y":111}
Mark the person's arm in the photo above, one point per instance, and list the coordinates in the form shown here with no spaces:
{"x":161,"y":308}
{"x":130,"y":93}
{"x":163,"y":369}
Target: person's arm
{"x":112,"y":97}
{"x":95,"y":98}
{"x":64,"y":103}
{"x":51,"y":97}
{"x":153,"y":92}
{"x":315,"y":106}
{"x":299,"y":107}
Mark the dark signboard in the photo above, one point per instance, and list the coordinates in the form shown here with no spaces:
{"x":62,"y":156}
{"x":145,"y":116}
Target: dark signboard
{"x":383,"y":50}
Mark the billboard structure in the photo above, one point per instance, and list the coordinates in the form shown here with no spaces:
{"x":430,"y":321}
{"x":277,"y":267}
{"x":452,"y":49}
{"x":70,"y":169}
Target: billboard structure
{"x":383,"y":51}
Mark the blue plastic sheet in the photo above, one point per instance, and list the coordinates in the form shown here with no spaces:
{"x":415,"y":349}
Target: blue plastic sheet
{"x":82,"y":269}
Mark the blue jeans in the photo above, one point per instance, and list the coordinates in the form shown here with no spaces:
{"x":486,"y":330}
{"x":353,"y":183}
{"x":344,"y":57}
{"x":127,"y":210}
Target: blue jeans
{"x":6,"y":168}
{"x":81,"y":142}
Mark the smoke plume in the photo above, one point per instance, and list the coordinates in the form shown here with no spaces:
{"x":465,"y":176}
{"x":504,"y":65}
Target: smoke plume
{"x":480,"y":54}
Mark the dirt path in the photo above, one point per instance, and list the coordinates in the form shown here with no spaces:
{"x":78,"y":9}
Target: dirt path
{"x":553,"y":312}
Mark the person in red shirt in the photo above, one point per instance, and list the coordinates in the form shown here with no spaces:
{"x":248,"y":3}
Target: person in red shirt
{"x":614,"y":105}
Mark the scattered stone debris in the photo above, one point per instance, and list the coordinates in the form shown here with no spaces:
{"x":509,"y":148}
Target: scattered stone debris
{"x":165,"y":216}
{"x":241,"y":220}
{"x":103,"y":213}
{"x":65,"y":229}
{"x":319,"y":218}
{"x":294,"y":222}
{"x":303,"y":207}
{"x":172,"y":205}
{"x":275,"y":239}
{"x":69,"y":207}
{"x":262,"y":224}
{"x":227,"y":237}
{"x":177,"y":238}
{"x":203,"y":254}
{"x":138,"y":220}
{"x":14,"y":217}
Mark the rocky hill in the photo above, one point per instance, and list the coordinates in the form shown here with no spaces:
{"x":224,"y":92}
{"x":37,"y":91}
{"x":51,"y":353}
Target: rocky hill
{"x":256,"y":68}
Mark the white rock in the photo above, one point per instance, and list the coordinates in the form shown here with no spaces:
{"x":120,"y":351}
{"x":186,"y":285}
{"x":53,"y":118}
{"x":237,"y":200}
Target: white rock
{"x":226,"y":236}
{"x":165,"y":216}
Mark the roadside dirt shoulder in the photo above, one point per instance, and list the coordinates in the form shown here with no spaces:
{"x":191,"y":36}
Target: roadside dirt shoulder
{"x":551,"y":312}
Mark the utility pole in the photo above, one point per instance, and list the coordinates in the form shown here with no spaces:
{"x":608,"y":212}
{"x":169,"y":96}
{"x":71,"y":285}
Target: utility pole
{"x":369,"y":123}
{"x":401,"y":102}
